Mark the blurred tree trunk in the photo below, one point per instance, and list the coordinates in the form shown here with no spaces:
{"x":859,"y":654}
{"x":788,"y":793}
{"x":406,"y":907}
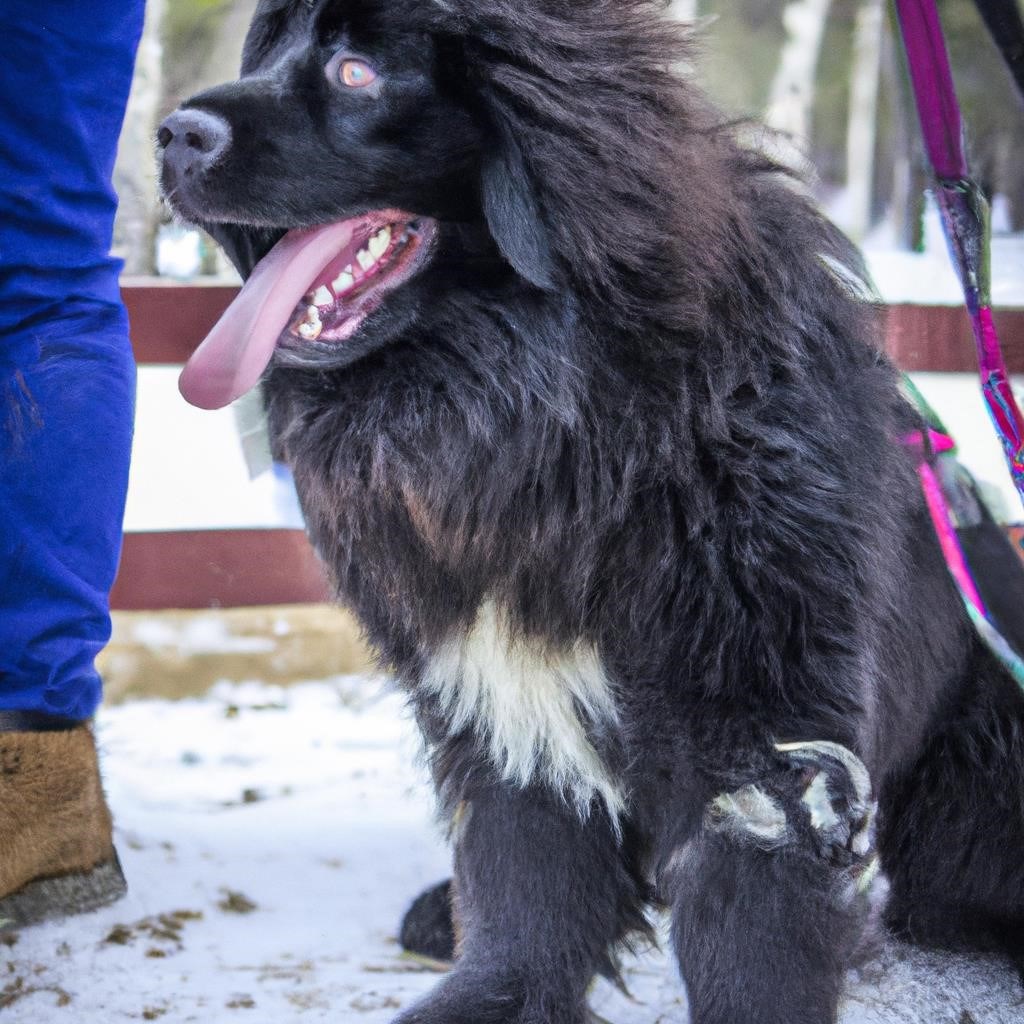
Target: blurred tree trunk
{"x":792,"y":92}
{"x":862,"y":127}
{"x":1005,"y":22}
{"x":909,"y":175}
{"x":225,"y":55}
{"x":135,"y":170}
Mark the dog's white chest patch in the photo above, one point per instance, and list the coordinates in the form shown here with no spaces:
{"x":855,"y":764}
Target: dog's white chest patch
{"x":528,"y":704}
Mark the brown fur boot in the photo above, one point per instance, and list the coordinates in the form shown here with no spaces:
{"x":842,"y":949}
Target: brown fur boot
{"x":56,"y":852}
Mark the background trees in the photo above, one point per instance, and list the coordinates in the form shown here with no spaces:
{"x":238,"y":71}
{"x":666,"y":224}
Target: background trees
{"x":827,"y":72}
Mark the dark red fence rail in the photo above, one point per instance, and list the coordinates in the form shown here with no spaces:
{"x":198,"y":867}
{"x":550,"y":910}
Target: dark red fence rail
{"x":227,"y":568}
{"x":939,"y":338}
{"x":217,"y":569}
{"x":169,"y":320}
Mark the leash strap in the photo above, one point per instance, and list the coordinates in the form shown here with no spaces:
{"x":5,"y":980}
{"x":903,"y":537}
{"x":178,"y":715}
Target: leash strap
{"x":965,"y":214}
{"x":935,"y":448}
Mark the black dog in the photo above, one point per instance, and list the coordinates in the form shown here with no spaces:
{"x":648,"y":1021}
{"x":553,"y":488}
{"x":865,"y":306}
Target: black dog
{"x":596,"y":442}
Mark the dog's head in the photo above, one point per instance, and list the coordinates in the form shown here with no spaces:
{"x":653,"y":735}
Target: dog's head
{"x":363,"y":133}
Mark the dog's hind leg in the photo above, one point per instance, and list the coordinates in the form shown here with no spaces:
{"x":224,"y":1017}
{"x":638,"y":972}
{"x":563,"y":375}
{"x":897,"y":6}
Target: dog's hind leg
{"x":541,"y":898}
{"x":774,"y":894}
{"x":951,"y":828}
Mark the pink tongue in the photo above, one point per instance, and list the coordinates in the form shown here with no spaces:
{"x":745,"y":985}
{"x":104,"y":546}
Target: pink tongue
{"x":235,"y":353}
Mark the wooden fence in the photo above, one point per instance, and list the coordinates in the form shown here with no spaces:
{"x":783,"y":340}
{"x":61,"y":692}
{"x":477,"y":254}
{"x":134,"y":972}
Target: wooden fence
{"x":228,"y":568}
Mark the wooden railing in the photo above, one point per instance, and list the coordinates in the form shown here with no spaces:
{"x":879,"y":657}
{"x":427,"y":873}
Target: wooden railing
{"x":227,"y":568}
{"x":203,"y":568}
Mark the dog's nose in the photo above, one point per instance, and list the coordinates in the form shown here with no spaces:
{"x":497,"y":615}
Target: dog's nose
{"x":192,"y":141}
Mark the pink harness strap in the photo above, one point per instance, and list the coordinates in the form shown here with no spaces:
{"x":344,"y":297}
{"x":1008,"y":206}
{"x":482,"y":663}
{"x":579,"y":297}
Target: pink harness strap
{"x":965,"y":214}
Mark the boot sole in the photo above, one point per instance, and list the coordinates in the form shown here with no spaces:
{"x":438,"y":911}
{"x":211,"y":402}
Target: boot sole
{"x":48,"y":899}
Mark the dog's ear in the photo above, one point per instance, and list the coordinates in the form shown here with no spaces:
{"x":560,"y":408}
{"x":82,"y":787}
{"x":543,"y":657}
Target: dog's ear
{"x":513,"y":213}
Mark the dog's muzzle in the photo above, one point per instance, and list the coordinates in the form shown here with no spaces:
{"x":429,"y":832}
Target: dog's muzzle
{"x":192,"y":141}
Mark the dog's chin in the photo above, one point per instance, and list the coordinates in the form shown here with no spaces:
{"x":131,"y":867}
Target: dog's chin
{"x":307,"y":299}
{"x":243,"y":244}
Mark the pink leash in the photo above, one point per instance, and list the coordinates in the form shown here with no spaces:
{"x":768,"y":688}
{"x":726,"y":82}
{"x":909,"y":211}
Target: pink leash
{"x":965,"y":214}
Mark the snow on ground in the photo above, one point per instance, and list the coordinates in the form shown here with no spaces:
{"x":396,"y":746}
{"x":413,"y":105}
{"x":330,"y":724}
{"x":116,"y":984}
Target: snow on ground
{"x":273,"y":837}
{"x":271,"y":840}
{"x":927,"y":278}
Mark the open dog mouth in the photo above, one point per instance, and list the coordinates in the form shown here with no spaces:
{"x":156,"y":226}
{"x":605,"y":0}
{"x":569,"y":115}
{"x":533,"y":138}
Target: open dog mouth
{"x":352,"y":285}
{"x":315,"y":286}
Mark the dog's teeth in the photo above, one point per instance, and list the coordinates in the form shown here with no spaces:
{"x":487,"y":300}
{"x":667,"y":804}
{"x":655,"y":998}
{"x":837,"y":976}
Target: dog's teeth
{"x":311,"y":326}
{"x":379,"y":243}
{"x":322,"y":296}
{"x":364,"y":259}
{"x":343,"y":281}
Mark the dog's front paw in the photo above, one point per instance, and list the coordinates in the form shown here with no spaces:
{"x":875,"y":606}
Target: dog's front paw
{"x":814,"y":806}
{"x":837,"y":798}
{"x":820,"y":800}
{"x":444,"y":1010}
{"x":466,"y":998}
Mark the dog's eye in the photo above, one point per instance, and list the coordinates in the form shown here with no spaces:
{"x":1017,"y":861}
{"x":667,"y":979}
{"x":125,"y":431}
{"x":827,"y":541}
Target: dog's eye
{"x":356,"y":74}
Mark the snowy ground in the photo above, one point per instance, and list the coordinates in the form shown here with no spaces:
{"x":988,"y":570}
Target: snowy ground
{"x":272,"y":839}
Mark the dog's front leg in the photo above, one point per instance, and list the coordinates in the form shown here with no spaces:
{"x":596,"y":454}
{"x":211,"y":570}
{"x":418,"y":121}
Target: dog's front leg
{"x":777,"y":890}
{"x":541,"y":896}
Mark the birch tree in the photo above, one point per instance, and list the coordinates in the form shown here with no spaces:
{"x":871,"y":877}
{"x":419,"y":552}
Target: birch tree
{"x":792,"y":94}
{"x":862,"y":126}
{"x":135,"y":170}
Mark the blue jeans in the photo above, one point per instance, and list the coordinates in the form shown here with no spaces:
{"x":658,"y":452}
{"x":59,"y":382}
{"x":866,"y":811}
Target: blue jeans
{"x":67,"y":377}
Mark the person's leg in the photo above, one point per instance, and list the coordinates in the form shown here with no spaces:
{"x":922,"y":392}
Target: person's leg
{"x":67,"y":383}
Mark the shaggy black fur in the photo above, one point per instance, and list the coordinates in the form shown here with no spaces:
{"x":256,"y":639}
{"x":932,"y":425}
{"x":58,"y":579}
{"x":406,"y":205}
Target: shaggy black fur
{"x":631,"y":400}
